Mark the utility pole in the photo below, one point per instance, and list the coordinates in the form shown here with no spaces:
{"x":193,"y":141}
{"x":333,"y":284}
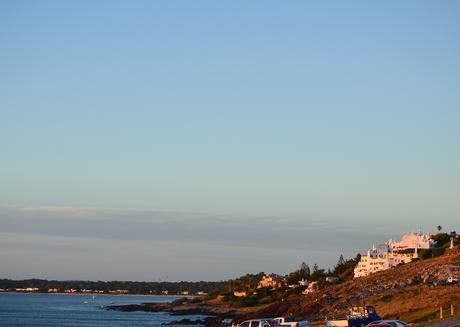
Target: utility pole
{"x":451,"y":309}
{"x":440,"y":313}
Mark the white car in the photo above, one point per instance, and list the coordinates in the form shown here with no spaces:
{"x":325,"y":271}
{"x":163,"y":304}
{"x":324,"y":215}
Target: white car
{"x":263,"y":322}
{"x":289,"y":322}
{"x":388,"y":323}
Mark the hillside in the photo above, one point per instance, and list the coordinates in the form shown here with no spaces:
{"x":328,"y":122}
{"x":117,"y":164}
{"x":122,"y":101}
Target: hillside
{"x":411,"y":292}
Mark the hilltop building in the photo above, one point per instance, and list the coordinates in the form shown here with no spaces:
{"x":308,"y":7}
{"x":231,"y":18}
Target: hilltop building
{"x":384,"y":256}
{"x":312,"y":287}
{"x":300,"y":283}
{"x":269,"y":281}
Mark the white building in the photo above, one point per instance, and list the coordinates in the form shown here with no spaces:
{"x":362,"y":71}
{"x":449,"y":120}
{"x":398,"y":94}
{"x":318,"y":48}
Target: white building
{"x":312,"y":287}
{"x":412,"y":241}
{"x":392,"y":253}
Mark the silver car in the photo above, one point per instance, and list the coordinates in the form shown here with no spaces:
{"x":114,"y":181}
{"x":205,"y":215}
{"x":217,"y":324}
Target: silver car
{"x":263,"y":322}
{"x":388,"y":323}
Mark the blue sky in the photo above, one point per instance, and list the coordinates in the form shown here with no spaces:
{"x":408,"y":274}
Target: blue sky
{"x":340,"y":113}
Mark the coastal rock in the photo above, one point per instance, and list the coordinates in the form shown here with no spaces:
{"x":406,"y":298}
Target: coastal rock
{"x":185,"y":321}
{"x":176,"y":309}
{"x":208,"y":322}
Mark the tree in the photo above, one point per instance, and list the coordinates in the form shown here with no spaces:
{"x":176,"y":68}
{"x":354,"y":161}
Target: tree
{"x":358,"y":258}
{"x":439,"y":228}
{"x":304,"y":271}
{"x":315,"y":268}
{"x":341,"y":261}
{"x":317,"y":274}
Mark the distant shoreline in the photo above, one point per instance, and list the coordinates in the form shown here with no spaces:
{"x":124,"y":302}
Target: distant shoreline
{"x":105,"y":294}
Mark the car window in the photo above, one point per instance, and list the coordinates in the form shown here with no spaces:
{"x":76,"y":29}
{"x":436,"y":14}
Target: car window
{"x":255,"y":323}
{"x":402,"y":323}
{"x":245,"y":324}
{"x":392,"y":324}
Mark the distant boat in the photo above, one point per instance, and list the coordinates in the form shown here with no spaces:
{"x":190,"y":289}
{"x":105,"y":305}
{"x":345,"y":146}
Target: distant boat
{"x":86,"y":302}
{"x":94,"y":297}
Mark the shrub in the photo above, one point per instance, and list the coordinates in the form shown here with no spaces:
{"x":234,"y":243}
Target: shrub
{"x":441,"y":239}
{"x":245,"y":302}
{"x":431,"y":253}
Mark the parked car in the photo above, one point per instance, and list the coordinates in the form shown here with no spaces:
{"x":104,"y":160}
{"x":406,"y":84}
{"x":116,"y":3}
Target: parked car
{"x":379,"y":325}
{"x":290,"y":322}
{"x":263,"y":322}
{"x":388,"y":323}
{"x":357,"y":317}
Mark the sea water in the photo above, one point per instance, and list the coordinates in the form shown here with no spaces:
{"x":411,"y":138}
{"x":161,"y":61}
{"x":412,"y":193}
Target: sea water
{"x":18,"y":309}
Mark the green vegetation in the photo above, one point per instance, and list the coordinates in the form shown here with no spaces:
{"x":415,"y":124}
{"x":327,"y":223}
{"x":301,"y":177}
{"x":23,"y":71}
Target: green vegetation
{"x":344,"y":268}
{"x":303,"y":273}
{"x":248,"y":281}
{"x":289,"y":284}
{"x":442,"y":243}
{"x":431,"y":253}
{"x":442,"y":240}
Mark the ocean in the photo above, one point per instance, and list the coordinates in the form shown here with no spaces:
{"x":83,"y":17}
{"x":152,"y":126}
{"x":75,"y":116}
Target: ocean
{"x":55,"y":310}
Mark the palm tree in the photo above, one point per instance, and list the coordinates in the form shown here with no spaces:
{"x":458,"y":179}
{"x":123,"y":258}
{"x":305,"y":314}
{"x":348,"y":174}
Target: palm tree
{"x":439,"y":228}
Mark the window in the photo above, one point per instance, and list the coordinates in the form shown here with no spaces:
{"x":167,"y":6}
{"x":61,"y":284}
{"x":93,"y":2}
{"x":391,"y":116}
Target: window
{"x":244,"y":324}
{"x":257,"y":323}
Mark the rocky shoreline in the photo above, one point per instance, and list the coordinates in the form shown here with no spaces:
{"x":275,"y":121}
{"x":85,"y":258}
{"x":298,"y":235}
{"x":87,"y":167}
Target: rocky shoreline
{"x":208,"y":321}
{"x":215,"y":314}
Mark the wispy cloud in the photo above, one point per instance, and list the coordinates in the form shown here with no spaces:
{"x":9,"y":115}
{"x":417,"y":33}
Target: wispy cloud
{"x":238,"y":244}
{"x":127,"y":224}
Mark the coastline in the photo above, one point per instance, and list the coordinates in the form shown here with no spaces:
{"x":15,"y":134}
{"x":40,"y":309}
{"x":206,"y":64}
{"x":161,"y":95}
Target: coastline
{"x":105,"y":294}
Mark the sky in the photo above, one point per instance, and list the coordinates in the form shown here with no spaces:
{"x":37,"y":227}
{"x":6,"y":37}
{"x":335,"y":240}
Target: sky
{"x":202,"y":140}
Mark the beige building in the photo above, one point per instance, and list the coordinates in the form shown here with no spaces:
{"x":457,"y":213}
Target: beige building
{"x":268,"y":281}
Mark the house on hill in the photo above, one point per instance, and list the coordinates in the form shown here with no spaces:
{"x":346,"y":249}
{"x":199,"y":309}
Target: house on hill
{"x":384,"y":256}
{"x":269,"y":281}
{"x":312,"y":287}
